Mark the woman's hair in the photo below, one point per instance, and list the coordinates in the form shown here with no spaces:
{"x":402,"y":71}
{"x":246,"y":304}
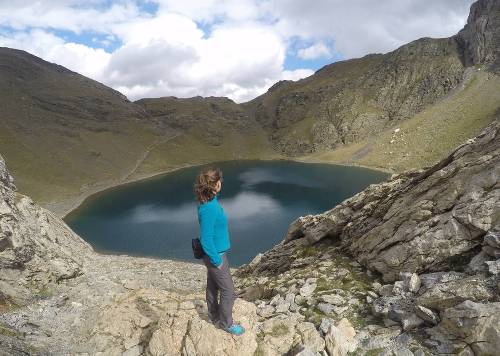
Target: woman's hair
{"x":204,"y":185}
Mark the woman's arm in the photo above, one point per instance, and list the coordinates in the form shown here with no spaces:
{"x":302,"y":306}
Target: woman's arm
{"x":207,"y":229}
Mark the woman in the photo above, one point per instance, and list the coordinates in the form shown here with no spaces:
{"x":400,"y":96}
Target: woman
{"x":214,"y":238}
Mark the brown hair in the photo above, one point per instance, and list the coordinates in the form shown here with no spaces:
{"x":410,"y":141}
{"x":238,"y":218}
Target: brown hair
{"x":204,"y":185}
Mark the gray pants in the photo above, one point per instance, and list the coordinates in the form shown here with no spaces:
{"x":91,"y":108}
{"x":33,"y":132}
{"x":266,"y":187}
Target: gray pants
{"x":220,"y":280}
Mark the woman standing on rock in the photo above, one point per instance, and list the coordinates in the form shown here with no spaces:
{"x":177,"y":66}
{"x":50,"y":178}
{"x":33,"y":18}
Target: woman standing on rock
{"x":214,"y":238}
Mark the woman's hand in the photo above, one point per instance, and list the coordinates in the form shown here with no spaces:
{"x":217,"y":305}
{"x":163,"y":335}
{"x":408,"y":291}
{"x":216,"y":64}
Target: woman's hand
{"x":220,"y":266}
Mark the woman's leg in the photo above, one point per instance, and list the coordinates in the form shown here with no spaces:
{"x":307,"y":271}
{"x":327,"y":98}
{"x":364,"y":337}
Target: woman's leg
{"x":211,"y":293}
{"x":227,"y":293}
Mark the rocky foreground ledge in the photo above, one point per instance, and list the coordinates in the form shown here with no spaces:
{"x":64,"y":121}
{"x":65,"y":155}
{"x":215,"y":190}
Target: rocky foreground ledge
{"x":406,"y":267}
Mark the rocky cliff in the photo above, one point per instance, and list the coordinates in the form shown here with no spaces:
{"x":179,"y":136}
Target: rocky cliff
{"x":480,"y":38}
{"x":36,"y":248}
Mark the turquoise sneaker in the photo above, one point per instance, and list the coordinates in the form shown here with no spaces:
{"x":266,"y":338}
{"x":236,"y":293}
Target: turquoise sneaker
{"x":235,"y":329}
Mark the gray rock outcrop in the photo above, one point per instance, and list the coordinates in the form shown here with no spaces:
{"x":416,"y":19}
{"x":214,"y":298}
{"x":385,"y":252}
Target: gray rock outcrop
{"x":418,"y":221}
{"x":37,"y":249}
{"x":432,"y":233}
{"x":480,"y":37}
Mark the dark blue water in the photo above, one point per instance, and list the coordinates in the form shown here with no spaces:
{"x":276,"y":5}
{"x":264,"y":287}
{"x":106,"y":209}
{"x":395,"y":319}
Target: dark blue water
{"x":157,"y":217}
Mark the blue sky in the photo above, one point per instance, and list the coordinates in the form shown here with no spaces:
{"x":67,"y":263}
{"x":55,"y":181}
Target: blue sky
{"x":216,"y":47}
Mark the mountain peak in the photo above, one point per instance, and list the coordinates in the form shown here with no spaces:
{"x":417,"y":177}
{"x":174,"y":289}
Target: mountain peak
{"x":480,"y":37}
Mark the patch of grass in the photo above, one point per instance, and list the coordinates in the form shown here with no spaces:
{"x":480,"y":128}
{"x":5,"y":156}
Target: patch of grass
{"x":8,"y":331}
{"x":259,"y":351}
{"x":375,"y":352}
{"x":41,"y":291}
{"x":415,"y":349}
{"x":279,"y":330}
{"x":323,"y":284}
{"x":313,"y":316}
{"x":357,"y":320}
{"x":45,"y":292}
{"x":429,"y":135}
{"x":308,"y":251}
{"x":141,"y":299}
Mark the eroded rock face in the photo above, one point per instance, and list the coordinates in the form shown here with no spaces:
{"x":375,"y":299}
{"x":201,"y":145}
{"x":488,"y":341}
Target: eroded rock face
{"x":445,"y":294}
{"x":420,"y":220}
{"x":480,"y":37}
{"x":164,"y":323}
{"x":433,"y":233}
{"x":5,"y":178}
{"x":469,"y":327}
{"x":340,"y":338}
{"x":36,"y":247}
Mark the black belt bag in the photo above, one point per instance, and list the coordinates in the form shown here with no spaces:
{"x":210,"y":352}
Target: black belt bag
{"x":197,"y":248}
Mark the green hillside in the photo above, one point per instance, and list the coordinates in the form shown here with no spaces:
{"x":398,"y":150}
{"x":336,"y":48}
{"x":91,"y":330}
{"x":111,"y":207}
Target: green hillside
{"x":430,"y":134}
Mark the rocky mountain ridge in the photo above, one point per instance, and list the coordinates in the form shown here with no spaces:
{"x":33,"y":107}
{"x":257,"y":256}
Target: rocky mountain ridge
{"x":349,"y":100}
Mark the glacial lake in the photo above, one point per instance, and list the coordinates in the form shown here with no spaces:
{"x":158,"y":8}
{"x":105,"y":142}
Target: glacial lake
{"x":157,"y":217}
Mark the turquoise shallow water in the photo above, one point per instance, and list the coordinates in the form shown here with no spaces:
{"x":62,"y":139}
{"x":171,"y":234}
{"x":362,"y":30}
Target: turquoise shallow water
{"x":157,"y":217}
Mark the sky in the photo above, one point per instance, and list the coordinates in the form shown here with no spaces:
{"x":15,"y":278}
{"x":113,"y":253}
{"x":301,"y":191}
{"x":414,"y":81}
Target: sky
{"x":233,"y":48}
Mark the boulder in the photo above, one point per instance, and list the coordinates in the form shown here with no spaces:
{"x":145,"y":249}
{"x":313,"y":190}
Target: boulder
{"x":418,"y":221}
{"x":339,"y":339}
{"x":492,"y":238}
{"x":478,"y":263}
{"x":411,"y":282}
{"x":474,"y":324}
{"x":310,"y":337}
{"x":443,"y":295}
{"x":307,"y":289}
{"x":333,"y":299}
{"x":187,"y":332}
{"x":427,"y":315}
{"x":493,"y":267}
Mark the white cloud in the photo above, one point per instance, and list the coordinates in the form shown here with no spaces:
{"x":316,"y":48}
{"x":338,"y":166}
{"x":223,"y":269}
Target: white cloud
{"x":242,"y":54}
{"x":236,"y":61}
{"x":212,"y":10}
{"x":317,"y":50}
{"x":365,"y":26}
{"x":69,"y":15}
{"x":240,"y":207}
{"x":246,"y":204}
{"x":77,"y":57}
{"x":255,"y":176}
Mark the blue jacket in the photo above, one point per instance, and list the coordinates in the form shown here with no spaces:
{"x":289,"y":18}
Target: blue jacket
{"x":214,"y":233}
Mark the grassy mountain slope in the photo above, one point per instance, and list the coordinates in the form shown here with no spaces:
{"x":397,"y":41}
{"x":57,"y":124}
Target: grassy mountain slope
{"x":209,"y":129}
{"x":348,"y":101}
{"x":421,"y":140}
{"x":60,"y":131}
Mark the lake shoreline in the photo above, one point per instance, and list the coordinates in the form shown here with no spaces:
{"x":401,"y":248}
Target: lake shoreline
{"x":67,"y":207}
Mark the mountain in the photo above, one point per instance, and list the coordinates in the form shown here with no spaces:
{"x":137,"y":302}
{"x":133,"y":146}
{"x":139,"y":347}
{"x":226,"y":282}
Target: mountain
{"x":354,"y":106}
{"x":209,"y":129}
{"x":65,"y":136}
{"x":61,"y":132}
